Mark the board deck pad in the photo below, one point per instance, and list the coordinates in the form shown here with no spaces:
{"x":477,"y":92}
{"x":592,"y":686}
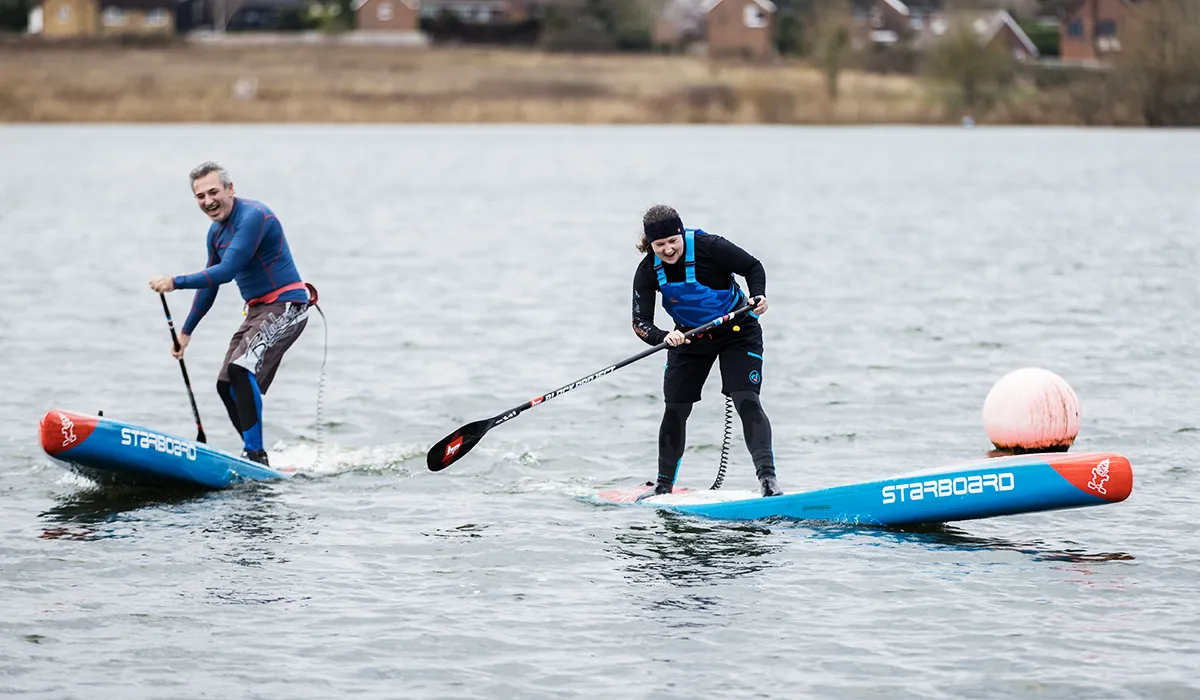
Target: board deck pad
{"x":983,"y":488}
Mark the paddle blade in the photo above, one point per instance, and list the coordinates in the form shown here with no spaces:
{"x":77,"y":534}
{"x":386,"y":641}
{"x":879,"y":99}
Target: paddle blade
{"x":201,"y":437}
{"x":451,"y":448}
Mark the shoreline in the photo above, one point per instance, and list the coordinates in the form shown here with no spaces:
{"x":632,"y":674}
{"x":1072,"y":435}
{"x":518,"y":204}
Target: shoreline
{"x":340,"y":82}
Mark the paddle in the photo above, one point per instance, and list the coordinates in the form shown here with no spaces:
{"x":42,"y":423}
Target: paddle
{"x":454,"y":446}
{"x":200,"y":437}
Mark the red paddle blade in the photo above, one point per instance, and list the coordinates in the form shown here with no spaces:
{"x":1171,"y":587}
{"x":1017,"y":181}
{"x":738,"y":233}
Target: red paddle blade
{"x":454,"y":446}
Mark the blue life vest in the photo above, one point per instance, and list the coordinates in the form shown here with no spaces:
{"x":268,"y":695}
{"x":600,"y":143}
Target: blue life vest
{"x":690,"y":303}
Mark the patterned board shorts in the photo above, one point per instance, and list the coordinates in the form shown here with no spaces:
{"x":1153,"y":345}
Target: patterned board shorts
{"x":259,"y":343}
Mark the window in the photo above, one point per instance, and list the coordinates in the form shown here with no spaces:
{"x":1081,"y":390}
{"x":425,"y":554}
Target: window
{"x":753,"y":16}
{"x":64,"y":14}
{"x":113,"y":17}
{"x":156,"y":18}
{"x":1075,"y":29}
{"x":1106,"y":27}
{"x":384,"y":12}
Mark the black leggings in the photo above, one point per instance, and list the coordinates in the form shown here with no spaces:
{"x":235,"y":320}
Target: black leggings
{"x":672,"y":436}
{"x":243,"y":402}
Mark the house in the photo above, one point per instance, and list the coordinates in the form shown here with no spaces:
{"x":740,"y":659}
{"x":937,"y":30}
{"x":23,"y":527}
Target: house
{"x":1091,"y":30}
{"x":740,"y":27}
{"x":921,"y":24}
{"x":70,"y":18}
{"x":386,"y":15}
{"x":993,"y":28}
{"x":884,"y":22}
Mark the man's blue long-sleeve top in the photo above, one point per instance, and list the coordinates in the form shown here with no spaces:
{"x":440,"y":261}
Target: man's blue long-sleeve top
{"x":250,"y":248}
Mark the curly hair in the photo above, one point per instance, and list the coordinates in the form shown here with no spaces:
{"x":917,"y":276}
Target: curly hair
{"x":655,"y":214}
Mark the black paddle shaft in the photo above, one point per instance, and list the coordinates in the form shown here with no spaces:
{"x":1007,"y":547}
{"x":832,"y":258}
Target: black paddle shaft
{"x":454,"y":446}
{"x":200,"y":436}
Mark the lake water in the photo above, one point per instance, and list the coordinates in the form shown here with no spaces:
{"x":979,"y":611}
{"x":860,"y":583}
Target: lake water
{"x":464,"y":270}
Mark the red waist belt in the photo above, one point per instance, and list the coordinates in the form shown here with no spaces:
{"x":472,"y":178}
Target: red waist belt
{"x":272,"y":296}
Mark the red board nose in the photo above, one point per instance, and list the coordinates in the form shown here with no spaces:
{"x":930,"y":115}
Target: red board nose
{"x":62,"y":430}
{"x":1104,"y":474}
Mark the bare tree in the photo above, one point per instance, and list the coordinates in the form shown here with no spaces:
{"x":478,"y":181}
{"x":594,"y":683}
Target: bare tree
{"x":223,"y":11}
{"x":1160,"y":61}
{"x":979,"y":73}
{"x":830,"y":34}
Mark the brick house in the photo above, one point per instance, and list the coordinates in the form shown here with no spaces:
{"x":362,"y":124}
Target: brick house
{"x":68,"y":18}
{"x":1091,"y":30}
{"x":740,"y":27}
{"x":386,"y":15}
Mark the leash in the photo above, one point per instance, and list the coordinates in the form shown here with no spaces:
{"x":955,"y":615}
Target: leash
{"x":726,"y":441}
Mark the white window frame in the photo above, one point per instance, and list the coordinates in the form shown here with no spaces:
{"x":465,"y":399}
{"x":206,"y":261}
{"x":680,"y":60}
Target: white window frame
{"x":754,"y":16}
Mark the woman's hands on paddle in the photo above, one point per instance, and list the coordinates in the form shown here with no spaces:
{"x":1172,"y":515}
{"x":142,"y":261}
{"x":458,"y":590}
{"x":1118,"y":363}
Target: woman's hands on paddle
{"x":675,"y":338}
{"x":761,"y":308}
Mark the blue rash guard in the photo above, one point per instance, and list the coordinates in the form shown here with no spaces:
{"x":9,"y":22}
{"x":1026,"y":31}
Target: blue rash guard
{"x":249,"y":247}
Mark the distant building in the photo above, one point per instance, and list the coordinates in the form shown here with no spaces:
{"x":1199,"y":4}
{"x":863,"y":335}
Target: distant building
{"x":923,"y":24}
{"x":386,"y":15}
{"x":1092,"y":29}
{"x":725,"y":27}
{"x":71,"y":18}
{"x":475,"y":11}
{"x":740,"y":27}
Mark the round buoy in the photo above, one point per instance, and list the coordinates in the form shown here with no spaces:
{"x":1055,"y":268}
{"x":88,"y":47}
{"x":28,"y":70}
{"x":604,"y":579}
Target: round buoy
{"x":1031,"y":410}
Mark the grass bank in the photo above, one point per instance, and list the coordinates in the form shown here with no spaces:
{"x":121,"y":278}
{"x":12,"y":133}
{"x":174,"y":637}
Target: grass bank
{"x":44,"y":82}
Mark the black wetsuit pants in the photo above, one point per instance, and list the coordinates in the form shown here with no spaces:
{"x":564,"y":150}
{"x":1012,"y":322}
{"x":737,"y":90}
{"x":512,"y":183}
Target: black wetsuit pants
{"x":688,"y":366}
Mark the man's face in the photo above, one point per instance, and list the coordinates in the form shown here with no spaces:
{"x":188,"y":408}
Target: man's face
{"x":215,"y":199}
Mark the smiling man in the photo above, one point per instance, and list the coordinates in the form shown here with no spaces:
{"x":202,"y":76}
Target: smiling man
{"x":246,"y":244}
{"x":694,"y":271}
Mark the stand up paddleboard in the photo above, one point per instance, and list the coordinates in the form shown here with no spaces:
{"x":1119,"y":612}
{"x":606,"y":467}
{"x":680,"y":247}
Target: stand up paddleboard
{"x":113,"y":453}
{"x":980,"y":489}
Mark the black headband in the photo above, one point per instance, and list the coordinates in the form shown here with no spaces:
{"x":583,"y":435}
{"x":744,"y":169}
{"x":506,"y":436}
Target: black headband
{"x":663,"y":229}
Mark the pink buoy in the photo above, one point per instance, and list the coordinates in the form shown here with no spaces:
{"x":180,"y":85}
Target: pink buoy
{"x":1031,"y":410}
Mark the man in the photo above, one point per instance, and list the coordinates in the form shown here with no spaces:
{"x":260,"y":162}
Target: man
{"x":694,"y":271}
{"x":245,"y":243}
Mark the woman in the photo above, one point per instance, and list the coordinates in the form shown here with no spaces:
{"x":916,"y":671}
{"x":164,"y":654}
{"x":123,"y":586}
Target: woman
{"x":694,"y":271}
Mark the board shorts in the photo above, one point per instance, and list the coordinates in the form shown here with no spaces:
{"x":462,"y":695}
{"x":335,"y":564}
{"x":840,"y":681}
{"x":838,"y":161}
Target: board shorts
{"x":259,"y":343}
{"x":741,"y":355}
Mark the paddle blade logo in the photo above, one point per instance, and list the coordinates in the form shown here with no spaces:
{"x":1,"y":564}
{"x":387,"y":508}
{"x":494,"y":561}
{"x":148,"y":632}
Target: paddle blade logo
{"x":1099,"y":477}
{"x":452,"y":449}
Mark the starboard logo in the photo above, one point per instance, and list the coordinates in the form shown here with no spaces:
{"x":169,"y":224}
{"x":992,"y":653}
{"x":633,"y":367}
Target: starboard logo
{"x":452,"y":448}
{"x":166,"y":444}
{"x":1099,"y":477}
{"x":957,"y":486}
{"x":68,"y":430}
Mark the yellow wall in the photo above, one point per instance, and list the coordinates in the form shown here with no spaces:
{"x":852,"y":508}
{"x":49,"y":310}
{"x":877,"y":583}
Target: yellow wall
{"x":69,"y":17}
{"x":87,"y":17}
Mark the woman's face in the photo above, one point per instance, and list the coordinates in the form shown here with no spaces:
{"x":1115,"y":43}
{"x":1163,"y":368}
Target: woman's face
{"x":669,"y":250}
